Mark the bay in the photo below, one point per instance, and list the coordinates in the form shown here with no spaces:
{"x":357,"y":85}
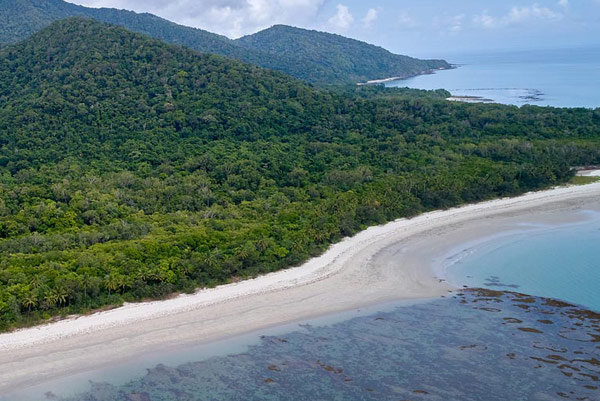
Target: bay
{"x":558,"y":77}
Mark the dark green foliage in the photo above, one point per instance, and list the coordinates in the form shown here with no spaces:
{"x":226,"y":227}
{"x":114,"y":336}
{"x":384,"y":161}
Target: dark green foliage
{"x":132,"y":169}
{"x":22,"y":18}
{"x":327,"y":58}
{"x":311,"y":56}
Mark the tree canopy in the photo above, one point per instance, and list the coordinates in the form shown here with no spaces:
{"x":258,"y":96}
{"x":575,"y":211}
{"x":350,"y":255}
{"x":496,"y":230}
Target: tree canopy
{"x":314,"y":57}
{"x":132,"y":169}
{"x":327,"y":58}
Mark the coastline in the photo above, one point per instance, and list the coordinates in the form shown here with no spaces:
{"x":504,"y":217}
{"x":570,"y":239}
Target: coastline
{"x":381,"y":264}
{"x":469,"y":99}
{"x":400,"y":78}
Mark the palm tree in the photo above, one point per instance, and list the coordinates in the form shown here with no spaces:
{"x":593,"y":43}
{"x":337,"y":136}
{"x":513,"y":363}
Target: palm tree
{"x":123,"y":282}
{"x":262,"y":244}
{"x":243,"y":253}
{"x":142,"y":274}
{"x":38,"y":281}
{"x":29,"y":301}
{"x":50,"y":299}
{"x":111,"y":283}
{"x":86,"y":282}
{"x":211,"y":259}
{"x":61,"y":295}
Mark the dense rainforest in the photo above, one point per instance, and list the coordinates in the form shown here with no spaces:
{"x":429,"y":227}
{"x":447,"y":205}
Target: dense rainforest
{"x":132,"y":169}
{"x":315,"y":57}
{"x":22,"y":18}
{"x":324,"y":58}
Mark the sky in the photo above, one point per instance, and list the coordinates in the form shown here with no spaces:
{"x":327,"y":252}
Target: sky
{"x":417,"y":27}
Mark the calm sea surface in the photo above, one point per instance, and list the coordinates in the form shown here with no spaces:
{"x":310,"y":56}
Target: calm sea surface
{"x":561,"y":78}
{"x":561,"y":262}
{"x":475,"y":345}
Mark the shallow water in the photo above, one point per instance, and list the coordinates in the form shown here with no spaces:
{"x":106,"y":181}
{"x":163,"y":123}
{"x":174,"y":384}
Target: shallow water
{"x":561,"y":78}
{"x":559,"y":261}
{"x":476,"y":345}
{"x":483,"y":344}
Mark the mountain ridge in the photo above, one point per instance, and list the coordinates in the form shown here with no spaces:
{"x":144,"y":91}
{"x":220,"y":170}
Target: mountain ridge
{"x":345,"y":56}
{"x":21,"y":18}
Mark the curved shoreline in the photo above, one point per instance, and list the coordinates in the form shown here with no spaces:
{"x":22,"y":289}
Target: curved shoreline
{"x":402,"y":78}
{"x":383,"y":263}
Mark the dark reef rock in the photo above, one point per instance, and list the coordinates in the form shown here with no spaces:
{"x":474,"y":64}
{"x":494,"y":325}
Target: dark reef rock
{"x":478,"y":345}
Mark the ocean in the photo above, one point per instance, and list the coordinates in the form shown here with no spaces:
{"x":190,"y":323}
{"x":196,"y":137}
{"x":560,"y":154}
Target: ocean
{"x":560,"y":77}
{"x":555,"y":261}
{"x":532,"y":332}
{"x":475,"y":345}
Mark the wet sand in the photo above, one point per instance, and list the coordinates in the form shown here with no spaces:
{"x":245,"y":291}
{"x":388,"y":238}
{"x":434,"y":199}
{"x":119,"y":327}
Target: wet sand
{"x":381,"y":264}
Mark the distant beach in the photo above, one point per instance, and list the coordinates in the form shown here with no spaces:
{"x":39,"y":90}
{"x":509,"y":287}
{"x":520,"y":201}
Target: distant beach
{"x":558,"y":78}
{"x":393,"y":79}
{"x":470,"y":99}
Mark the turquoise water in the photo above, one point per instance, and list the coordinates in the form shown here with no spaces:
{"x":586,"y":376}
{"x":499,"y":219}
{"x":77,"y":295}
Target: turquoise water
{"x":512,"y":340}
{"x":473,"y":346}
{"x":561,"y":262}
{"x":561,"y":78}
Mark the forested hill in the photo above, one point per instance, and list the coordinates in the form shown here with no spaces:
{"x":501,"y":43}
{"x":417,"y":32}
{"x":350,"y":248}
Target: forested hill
{"x":107,"y":93}
{"x":21,"y":18}
{"x":333,"y":57}
{"x":130,"y":168}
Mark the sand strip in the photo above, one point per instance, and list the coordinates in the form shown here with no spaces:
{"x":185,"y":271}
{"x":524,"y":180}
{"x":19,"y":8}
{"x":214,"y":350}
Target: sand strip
{"x":383,"y":263}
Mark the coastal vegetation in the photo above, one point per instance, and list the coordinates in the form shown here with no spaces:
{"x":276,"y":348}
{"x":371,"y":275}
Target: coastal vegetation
{"x":315,"y":57}
{"x":583,"y":180}
{"x":326,"y":58}
{"x":132,"y":169}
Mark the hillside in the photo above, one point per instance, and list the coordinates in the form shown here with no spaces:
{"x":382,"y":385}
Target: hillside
{"x":325,"y":57}
{"x":21,"y":18}
{"x":132,"y":169}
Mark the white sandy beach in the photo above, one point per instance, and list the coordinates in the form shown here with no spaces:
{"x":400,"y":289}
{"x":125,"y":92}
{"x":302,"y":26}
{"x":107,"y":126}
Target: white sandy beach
{"x":392,"y":79}
{"x":380,"y":264}
{"x":590,"y":173}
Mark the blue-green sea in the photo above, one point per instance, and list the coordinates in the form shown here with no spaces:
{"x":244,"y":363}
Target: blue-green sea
{"x":560,"y":77}
{"x":556,"y":261}
{"x":532,"y":333}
